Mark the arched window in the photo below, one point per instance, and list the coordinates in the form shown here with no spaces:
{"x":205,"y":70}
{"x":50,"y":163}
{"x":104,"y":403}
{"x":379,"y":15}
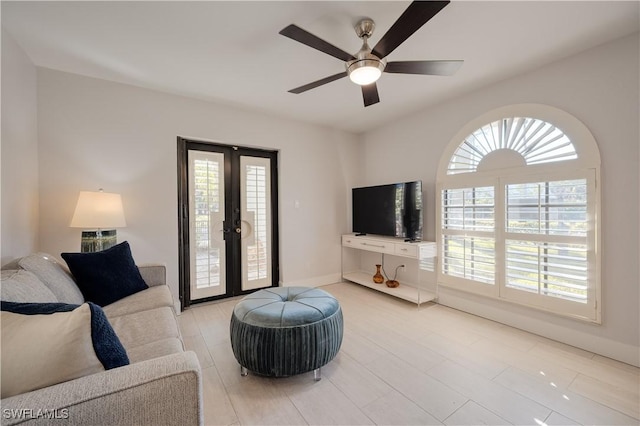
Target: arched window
{"x":514,"y":140}
{"x":518,"y":212}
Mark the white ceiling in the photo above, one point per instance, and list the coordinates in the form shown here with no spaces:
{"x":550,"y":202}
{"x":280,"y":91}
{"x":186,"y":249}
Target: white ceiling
{"x":231,"y":52}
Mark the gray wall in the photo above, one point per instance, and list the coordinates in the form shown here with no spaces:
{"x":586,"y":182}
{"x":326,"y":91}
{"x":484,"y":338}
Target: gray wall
{"x":600,"y":87}
{"x":98,"y":134}
{"x":19,"y":152}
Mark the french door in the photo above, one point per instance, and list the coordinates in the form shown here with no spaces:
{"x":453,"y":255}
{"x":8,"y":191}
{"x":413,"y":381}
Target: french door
{"x":227,"y":198}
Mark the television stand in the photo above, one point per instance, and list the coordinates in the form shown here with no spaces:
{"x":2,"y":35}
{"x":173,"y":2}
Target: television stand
{"x":417,"y":277}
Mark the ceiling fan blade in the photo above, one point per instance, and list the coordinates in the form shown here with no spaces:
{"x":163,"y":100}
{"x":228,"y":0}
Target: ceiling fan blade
{"x":423,"y":67}
{"x":317,"y":83}
{"x":370,"y":94}
{"x":298,"y":34}
{"x":416,"y":15}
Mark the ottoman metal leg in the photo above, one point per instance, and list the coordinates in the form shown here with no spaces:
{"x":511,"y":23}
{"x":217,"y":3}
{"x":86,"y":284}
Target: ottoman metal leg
{"x":243,"y":371}
{"x":316,"y":374}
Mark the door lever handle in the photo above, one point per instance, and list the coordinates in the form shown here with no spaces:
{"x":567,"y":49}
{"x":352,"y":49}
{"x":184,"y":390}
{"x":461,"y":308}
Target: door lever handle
{"x":225,"y":228}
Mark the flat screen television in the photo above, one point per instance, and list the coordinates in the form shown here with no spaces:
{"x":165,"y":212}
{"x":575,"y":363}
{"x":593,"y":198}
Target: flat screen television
{"x":393,"y":210}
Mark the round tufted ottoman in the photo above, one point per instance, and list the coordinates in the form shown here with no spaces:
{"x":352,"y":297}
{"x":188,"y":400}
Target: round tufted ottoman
{"x":283,"y":331}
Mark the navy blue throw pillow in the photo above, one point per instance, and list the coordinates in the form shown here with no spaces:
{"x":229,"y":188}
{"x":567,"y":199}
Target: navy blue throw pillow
{"x":106,"y":276}
{"x":106,"y":344}
{"x":36,"y":308}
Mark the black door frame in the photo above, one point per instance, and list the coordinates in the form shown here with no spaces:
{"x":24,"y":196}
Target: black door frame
{"x":232,"y":196}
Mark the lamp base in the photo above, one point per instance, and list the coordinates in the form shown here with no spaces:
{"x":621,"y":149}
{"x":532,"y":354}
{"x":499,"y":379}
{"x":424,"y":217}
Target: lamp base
{"x":99,"y":240}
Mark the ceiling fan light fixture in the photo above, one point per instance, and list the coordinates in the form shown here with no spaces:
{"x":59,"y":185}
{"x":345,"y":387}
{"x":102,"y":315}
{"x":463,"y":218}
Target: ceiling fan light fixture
{"x":365,"y":71}
{"x":366,"y":66}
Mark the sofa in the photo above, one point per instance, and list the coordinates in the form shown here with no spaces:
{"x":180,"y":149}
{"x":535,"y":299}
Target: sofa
{"x":162,"y":383}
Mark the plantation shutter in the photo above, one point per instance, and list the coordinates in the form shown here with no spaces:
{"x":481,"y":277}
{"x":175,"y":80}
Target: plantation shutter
{"x":518,"y":216}
{"x":468,"y":233}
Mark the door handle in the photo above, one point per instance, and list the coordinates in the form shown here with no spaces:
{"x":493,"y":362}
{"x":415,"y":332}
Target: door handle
{"x":225,"y":228}
{"x":238,"y":230}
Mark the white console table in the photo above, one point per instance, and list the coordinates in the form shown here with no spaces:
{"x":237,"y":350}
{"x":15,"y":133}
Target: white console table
{"x":360,"y":254}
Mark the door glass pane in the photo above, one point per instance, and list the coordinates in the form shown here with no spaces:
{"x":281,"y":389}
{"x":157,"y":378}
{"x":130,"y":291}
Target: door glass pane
{"x":206,"y":219}
{"x":255,"y":184}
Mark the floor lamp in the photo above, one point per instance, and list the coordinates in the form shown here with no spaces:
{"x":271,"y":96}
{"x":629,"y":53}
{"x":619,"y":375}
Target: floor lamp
{"x":98,"y":213}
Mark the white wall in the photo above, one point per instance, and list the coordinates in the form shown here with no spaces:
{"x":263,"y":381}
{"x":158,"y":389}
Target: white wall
{"x":600,"y":87}
{"x":98,"y":134}
{"x":19,"y":153}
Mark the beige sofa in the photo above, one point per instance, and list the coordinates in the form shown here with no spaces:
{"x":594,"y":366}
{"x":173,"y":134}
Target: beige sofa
{"x":161,"y":385}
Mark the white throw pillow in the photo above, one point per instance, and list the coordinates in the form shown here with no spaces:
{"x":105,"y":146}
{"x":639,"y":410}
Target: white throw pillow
{"x":40,"y":350}
{"x":54,"y":276}
{"x":23,"y":286}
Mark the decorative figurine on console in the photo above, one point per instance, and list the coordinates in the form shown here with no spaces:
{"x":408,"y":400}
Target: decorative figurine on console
{"x":393,"y":283}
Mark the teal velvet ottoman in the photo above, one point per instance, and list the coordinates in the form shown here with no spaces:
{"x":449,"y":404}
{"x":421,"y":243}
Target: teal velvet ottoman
{"x":283,"y":331}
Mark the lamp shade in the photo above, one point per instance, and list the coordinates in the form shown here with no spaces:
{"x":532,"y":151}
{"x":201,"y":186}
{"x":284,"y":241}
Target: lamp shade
{"x":98,"y":210}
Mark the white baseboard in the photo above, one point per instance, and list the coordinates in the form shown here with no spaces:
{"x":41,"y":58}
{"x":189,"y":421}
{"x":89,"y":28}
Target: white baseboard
{"x":315,"y":281}
{"x":593,"y":343}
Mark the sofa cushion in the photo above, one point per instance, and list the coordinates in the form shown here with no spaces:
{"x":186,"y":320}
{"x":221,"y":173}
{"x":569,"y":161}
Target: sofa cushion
{"x":106,"y":276}
{"x":54,"y":276}
{"x":153,"y":297}
{"x":23,"y":286}
{"x":155,"y":349}
{"x":48,"y":343}
{"x":140,"y":328}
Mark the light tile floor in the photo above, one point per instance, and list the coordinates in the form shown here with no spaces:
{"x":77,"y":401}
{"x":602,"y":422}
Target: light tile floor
{"x":400,"y":364}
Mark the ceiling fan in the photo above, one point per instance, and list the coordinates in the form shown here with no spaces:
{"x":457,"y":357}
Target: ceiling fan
{"x":365,"y":67}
